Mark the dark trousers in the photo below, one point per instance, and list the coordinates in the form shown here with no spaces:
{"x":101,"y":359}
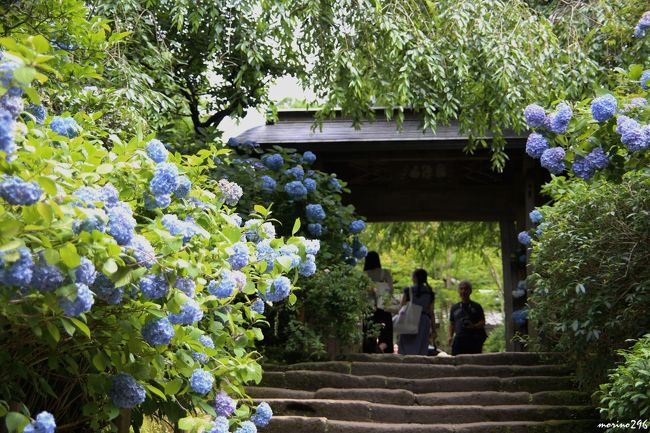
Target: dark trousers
{"x":467,"y":344}
{"x":385,"y":320}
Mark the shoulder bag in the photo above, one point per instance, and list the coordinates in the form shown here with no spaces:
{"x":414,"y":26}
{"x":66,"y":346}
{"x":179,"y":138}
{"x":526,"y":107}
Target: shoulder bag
{"x":407,"y":320}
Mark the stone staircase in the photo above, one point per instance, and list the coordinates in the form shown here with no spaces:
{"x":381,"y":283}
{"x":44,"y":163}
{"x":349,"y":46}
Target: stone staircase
{"x":487,"y":393}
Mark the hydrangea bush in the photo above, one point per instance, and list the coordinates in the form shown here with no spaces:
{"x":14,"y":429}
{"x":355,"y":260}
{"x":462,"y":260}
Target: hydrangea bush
{"x":128,"y":284}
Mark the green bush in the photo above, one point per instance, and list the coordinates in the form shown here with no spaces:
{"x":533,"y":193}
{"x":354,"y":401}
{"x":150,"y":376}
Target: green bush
{"x":627,"y":394}
{"x":591,"y":274}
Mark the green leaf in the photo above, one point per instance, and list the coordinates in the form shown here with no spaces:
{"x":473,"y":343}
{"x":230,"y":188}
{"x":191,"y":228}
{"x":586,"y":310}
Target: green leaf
{"x":69,"y":327}
{"x":156,"y":391}
{"x":296,"y":227}
{"x":109,"y":267}
{"x":187,"y":423}
{"x":40,"y":44}
{"x":173,"y":386}
{"x":100,"y":362}
{"x":81,"y":326}
{"x":233,"y":234}
{"x":25,"y":74}
{"x":104,"y":168}
{"x":261,"y":210}
{"x":52,"y":256}
{"x":16,"y":422}
{"x":48,"y":185}
{"x":285,"y":262}
{"x":54,"y":331}
{"x":69,"y":255}
{"x":636,"y":71}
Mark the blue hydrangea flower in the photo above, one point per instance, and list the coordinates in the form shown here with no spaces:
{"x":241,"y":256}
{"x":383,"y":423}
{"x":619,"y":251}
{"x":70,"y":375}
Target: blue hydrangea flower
{"x":184,"y":187}
{"x":335,"y":184}
{"x":290,"y":251}
{"x":268,"y":184}
{"x":315,"y":230}
{"x":152,"y":202}
{"x":229,"y":282}
{"x":312,"y":246}
{"x":158,"y":332}
{"x":125,"y":392}
{"x":642,"y":26}
{"x":315,"y":213}
{"x":258,"y":306}
{"x":121,"y":224}
{"x":231,"y":192}
{"x":308,"y":266}
{"x":265,"y":252}
{"x":263,"y":415}
{"x":109,"y":196}
{"x":233,"y":142}
{"x":39,"y":112}
{"x":536,"y":216}
{"x":632,"y":133}
{"x":553,"y":160}
{"x":296,"y":190}
{"x":645,"y":80}
{"x":220,"y":425}
{"x":535,"y":115}
{"x":524,"y":238}
{"x":7,"y":144}
{"x":185,"y":285}
{"x":239,"y":256}
{"x":357,"y":226}
{"x":246,"y":427}
{"x":540,"y":229}
{"x":309,"y":157}
{"x":81,"y":304}
{"x":361,"y":252}
{"x":206,"y":341}
{"x":156,"y":151}
{"x":274,"y":161}
{"x":278,"y":289}
{"x":46,"y":278}
{"x":201,"y":381}
{"x":85,"y":273}
{"x":44,"y":423}
{"x":310,"y":184}
{"x":603,"y":107}
{"x":636,"y":103}
{"x":13,"y":104}
{"x":581,"y":168}
{"x":142,"y":251}
{"x":559,"y":122}
{"x":65,"y":126}
{"x":296,"y":172}
{"x":153,"y":286}
{"x":20,"y":273}
{"x":165,"y":179}
{"x":187,"y":228}
{"x":18,"y":192}
{"x":7,"y":68}
{"x":105,"y":290}
{"x":597,"y":158}
{"x":223,"y":404}
{"x":190,"y":313}
{"x":536,"y":145}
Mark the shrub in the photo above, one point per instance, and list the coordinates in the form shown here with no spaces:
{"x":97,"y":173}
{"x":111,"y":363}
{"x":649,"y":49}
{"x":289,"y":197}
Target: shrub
{"x":626,"y":396}
{"x":590,"y":275}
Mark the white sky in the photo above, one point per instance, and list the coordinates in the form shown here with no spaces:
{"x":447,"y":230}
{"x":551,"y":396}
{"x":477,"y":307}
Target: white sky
{"x":285,"y":87}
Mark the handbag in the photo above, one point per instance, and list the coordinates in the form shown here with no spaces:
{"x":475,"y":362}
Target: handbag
{"x":381,"y":290}
{"x":407,"y":320}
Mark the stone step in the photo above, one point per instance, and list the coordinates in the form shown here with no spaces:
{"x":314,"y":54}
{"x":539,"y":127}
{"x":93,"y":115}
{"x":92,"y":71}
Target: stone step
{"x":407,"y":398}
{"x":363,"y":411}
{"x":297,"y":424}
{"x":312,"y":381}
{"x":500,"y":358}
{"x":424,"y":371}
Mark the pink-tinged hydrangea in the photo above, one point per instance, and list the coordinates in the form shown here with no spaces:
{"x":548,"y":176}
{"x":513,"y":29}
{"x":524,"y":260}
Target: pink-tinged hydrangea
{"x":553,"y":160}
{"x":535,"y":116}
{"x":125,"y":392}
{"x":18,"y":192}
{"x":296,"y":190}
{"x":597,"y":158}
{"x":105,"y":290}
{"x":82,"y":303}
{"x":190,"y":313}
{"x":156,"y":151}
{"x":65,"y":126}
{"x":85,"y":273}
{"x":263,"y":415}
{"x":223,"y":404}
{"x":603,"y":107}
{"x":158,"y":332}
{"x":274,"y":161}
{"x":153,"y":286}
{"x":581,"y":168}
{"x":278,"y":289}
{"x":559,"y":122}
{"x":165,"y":179}
{"x":44,"y":423}
{"x":201,"y":381}
{"x":231,"y":192}
{"x":536,"y":145}
{"x":524,"y":238}
{"x":185,"y":285}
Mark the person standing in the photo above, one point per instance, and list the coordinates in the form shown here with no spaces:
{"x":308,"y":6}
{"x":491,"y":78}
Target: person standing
{"x":467,"y":323}
{"x":418,"y":344}
{"x":384,"y":288}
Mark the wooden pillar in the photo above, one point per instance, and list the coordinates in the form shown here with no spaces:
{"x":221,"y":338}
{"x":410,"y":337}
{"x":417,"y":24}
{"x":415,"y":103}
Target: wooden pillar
{"x":123,"y":421}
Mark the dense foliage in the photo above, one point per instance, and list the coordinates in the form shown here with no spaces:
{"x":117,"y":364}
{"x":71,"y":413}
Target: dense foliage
{"x":127,"y":280}
{"x":590,"y":275}
{"x":626,"y":396}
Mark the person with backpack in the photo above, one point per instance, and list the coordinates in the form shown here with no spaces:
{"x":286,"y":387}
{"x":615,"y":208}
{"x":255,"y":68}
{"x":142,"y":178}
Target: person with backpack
{"x":423,"y":296}
{"x":467,"y":328}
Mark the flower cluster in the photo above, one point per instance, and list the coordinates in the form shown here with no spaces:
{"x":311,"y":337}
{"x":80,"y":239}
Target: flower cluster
{"x":296,"y":190}
{"x":603,"y":107}
{"x":190,"y":313}
{"x":223,"y":404}
{"x":239,"y":255}
{"x":125,"y":392}
{"x":105,"y":290}
{"x":18,"y":192}
{"x":44,"y":423}
{"x":278,"y":289}
{"x":186,"y":228}
{"x":642,"y":26}
{"x":82,"y":303}
{"x":357,"y":226}
{"x":153,"y":286}
{"x":201,"y":381}
{"x":65,"y":126}
{"x":315,"y":213}
{"x":231,"y":192}
{"x":273,"y":161}
{"x":229,"y":282}
{"x":263,"y":415}
{"x":158,"y":332}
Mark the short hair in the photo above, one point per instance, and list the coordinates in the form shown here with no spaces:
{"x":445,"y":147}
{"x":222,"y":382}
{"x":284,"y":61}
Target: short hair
{"x":465,"y":283}
{"x":372,"y":261}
